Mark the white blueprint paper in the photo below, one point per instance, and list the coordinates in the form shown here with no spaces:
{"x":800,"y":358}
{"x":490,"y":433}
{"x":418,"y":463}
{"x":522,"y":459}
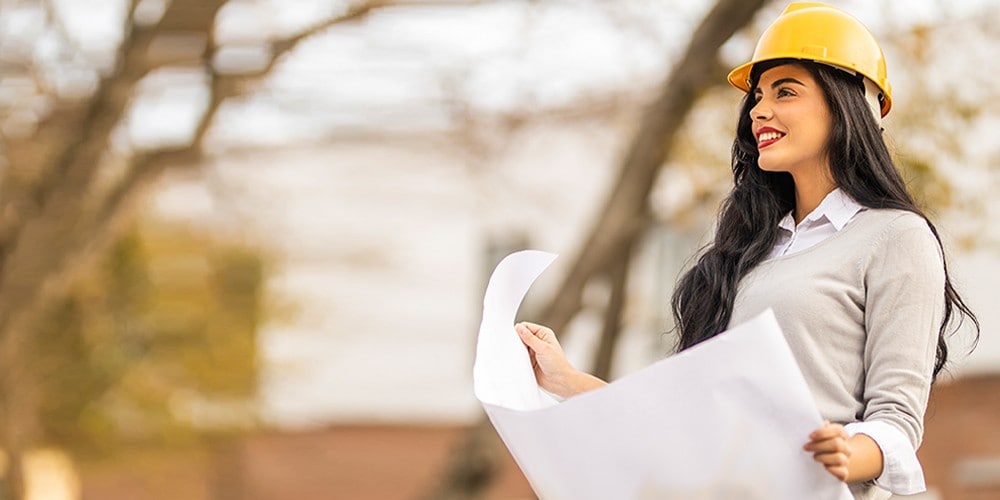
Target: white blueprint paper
{"x":502,"y":375}
{"x":725,"y":419}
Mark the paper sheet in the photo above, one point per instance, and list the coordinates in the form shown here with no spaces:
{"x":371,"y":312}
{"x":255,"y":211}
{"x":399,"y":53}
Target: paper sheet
{"x":725,"y":419}
{"x":502,"y":374}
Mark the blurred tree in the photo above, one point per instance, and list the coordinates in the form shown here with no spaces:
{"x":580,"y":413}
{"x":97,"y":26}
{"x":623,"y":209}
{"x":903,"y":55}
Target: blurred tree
{"x":937,"y":128}
{"x":69,"y":179}
{"x":153,"y":346}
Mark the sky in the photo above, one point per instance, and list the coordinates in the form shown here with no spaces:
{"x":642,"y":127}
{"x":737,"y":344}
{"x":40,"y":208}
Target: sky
{"x":409,"y":68}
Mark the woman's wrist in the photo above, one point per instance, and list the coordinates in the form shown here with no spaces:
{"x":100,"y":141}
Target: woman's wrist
{"x":866,"y":461}
{"x":578,"y":382}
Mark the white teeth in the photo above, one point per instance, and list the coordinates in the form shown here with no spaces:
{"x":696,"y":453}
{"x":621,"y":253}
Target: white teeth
{"x":768,"y":136}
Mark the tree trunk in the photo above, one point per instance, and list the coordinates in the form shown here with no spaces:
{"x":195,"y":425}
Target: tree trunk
{"x":18,"y":411}
{"x":623,"y":220}
{"x":618,"y":280}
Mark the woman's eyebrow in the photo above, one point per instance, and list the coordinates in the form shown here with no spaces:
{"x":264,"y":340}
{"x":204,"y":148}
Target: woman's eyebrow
{"x":778,"y":83}
{"x":786,"y":80}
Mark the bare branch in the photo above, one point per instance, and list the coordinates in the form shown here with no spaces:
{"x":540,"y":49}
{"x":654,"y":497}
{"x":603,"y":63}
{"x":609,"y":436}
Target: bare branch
{"x":354,"y":13}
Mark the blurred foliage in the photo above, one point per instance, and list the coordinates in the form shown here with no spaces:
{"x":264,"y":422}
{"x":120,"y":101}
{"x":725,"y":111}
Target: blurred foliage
{"x":934,"y":126}
{"x":153,"y":346}
{"x":928,"y":185}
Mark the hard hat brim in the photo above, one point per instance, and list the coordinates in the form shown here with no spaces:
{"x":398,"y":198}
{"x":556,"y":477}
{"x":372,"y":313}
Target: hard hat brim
{"x":740,"y":78}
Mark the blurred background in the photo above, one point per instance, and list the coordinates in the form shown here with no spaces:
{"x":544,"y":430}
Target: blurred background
{"x":243,"y":243}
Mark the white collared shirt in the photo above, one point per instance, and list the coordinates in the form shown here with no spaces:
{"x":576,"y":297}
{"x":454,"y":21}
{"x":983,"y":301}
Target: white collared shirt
{"x":902,"y":473}
{"x":832,"y":214}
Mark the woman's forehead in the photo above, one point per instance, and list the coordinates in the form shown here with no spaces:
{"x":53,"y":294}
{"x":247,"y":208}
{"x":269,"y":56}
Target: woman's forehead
{"x":780,"y":72}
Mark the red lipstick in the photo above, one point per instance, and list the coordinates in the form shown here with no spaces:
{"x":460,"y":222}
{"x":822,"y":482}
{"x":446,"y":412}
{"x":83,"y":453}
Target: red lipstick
{"x":772,"y":135}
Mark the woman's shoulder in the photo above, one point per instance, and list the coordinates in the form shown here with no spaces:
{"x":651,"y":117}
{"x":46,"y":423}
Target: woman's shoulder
{"x":895,"y":231}
{"x":894,"y":221}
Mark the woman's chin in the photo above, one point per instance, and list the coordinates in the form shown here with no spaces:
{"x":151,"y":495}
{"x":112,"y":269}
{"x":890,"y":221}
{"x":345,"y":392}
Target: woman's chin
{"x":770,"y":167}
{"x":769,"y":161}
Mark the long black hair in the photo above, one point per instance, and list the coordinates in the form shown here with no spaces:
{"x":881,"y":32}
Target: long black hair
{"x":747,"y":228}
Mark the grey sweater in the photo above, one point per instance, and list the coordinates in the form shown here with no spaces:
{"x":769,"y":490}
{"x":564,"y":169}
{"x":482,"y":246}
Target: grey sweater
{"x":861,"y":312}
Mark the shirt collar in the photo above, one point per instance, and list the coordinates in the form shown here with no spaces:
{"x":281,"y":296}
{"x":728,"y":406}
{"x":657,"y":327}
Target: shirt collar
{"x":838,"y":207}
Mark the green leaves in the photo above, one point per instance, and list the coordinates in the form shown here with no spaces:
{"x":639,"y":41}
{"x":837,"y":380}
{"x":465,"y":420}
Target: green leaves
{"x":154,"y":346}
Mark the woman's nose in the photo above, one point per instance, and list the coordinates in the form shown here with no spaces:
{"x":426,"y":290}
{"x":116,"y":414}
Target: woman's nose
{"x":760,"y":111}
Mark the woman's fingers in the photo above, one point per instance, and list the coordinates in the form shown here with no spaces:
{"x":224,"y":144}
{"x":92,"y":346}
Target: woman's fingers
{"x":546,"y":354}
{"x":838,"y":471}
{"x":528,"y":337}
{"x":834,"y":461}
{"x":828,"y":431}
{"x":531,"y":327}
{"x":830,"y":447}
{"x":536,"y":336}
{"x":831,"y":458}
{"x":539,"y":331}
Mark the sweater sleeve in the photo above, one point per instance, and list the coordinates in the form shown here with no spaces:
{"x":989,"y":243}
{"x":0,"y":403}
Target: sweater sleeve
{"x":904,"y":306}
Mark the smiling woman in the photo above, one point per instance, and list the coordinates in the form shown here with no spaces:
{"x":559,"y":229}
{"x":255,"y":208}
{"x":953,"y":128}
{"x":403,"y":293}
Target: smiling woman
{"x":819,"y":227}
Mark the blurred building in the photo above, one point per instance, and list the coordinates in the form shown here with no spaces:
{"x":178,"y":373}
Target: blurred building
{"x":961,"y":448}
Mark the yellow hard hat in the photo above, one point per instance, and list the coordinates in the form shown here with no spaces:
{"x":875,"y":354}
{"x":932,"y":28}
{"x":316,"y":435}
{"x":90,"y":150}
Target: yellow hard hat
{"x":819,"y":32}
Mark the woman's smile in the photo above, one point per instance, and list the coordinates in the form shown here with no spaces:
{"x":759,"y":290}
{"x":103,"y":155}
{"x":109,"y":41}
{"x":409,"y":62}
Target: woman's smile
{"x":767,"y":136}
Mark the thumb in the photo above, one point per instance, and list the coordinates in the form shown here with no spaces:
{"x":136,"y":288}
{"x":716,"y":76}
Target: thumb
{"x":528,"y":337}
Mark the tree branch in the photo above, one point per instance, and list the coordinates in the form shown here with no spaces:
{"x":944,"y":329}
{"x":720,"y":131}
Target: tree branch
{"x":356,"y":12}
{"x":281,"y":47}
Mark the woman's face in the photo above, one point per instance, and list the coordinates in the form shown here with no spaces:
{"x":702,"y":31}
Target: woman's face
{"x":791,"y":121}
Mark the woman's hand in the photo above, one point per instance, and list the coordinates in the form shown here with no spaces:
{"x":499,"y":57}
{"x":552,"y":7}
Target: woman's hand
{"x":851,"y":459}
{"x":552,"y":370}
{"x":831,"y":447}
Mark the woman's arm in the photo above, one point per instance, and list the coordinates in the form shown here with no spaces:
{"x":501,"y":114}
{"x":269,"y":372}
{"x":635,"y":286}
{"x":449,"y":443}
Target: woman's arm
{"x":904,"y":307}
{"x":552,"y":370}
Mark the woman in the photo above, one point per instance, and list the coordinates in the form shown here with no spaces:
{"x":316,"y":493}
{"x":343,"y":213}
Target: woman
{"x":819,"y":226}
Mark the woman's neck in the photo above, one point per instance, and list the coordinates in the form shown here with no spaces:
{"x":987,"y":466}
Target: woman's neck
{"x":809,"y":193}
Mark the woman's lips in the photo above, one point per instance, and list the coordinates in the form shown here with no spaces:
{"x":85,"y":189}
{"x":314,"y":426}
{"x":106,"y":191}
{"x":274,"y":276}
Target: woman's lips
{"x":767,"y":136}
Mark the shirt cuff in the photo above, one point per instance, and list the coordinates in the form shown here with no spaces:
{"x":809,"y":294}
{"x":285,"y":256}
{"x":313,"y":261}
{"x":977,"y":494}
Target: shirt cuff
{"x":902,"y":473}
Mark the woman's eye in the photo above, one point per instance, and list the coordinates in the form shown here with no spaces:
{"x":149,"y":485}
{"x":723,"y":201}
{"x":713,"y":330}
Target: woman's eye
{"x":785,"y":92}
